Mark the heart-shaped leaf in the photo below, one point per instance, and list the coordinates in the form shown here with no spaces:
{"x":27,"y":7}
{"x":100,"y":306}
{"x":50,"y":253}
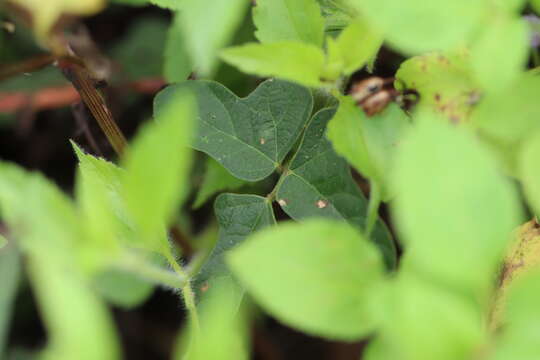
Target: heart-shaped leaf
{"x":238,"y":215}
{"x":318,"y":183}
{"x":251,"y":136}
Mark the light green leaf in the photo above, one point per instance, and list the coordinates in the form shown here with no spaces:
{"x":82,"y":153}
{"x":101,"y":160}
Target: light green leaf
{"x":10,"y":268}
{"x":168,"y":4}
{"x":100,"y":203}
{"x":416,"y":26}
{"x":536,"y":5}
{"x":216,"y":179}
{"x":529,"y":172}
{"x":445,"y":83}
{"x":347,"y":139}
{"x":294,"y":61}
{"x":512,"y":114}
{"x":157,"y":168}
{"x":223,"y":333}
{"x":122,"y":289}
{"x":368,"y":143}
{"x":177,"y":65}
{"x":78,"y":323}
{"x":521,"y":329}
{"x":506,"y":39}
{"x":437,"y":212}
{"x":294,"y":20}
{"x":420,"y":321}
{"x":238,"y":216}
{"x":337,"y":15}
{"x":3,"y":241}
{"x":318,"y":183}
{"x":299,"y":280}
{"x":209,"y":28}
{"x":250,"y":137}
{"x":358,"y":43}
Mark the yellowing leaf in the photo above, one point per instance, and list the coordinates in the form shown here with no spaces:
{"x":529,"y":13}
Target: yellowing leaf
{"x":46,"y":13}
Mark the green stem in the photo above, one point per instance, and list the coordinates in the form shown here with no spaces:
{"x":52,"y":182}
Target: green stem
{"x":187,"y":291}
{"x":373,"y":207}
{"x":154,"y":274}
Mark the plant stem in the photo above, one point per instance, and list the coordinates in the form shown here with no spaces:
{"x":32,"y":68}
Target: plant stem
{"x":373,"y":207}
{"x":187,"y":292}
{"x":154,"y":274}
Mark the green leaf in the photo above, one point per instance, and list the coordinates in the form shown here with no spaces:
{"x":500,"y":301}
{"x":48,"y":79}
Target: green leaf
{"x":368,"y":143}
{"x":10,"y":269}
{"x":238,"y":216}
{"x":345,"y":133}
{"x":78,"y":323}
{"x":421,"y":321}
{"x":414,"y":26}
{"x":223,"y":333}
{"x":445,"y":83}
{"x":207,"y":29}
{"x":122,"y":289}
{"x":437,"y":211}
{"x":507,"y":40}
{"x":157,"y":167}
{"x":318,"y":183}
{"x":521,"y":330}
{"x":294,"y":20}
{"x":168,"y":4}
{"x":250,"y":137}
{"x":177,"y":65}
{"x":358,"y":43}
{"x":294,"y":61}
{"x":510,"y":115}
{"x":3,"y":241}
{"x":337,"y":15}
{"x":299,"y":280}
{"x":529,"y":172}
{"x":140,"y":53}
{"x":100,"y":204}
{"x":536,"y":5}
{"x":216,"y":179}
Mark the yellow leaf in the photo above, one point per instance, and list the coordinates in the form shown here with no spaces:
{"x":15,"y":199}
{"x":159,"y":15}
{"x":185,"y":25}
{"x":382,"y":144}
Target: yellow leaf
{"x":45,"y":14}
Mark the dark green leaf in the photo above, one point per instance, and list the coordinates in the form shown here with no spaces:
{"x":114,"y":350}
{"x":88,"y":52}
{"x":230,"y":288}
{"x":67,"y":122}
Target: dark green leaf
{"x":251,"y":136}
{"x":318,"y":183}
{"x":317,"y":277}
{"x":238,"y":217}
{"x":295,"y":20}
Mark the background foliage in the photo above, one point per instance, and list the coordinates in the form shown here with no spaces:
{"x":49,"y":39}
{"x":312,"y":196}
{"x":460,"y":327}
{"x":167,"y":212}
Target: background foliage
{"x":259,"y":196}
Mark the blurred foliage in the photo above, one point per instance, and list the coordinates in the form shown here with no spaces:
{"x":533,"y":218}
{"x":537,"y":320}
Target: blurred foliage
{"x":451,"y":153}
